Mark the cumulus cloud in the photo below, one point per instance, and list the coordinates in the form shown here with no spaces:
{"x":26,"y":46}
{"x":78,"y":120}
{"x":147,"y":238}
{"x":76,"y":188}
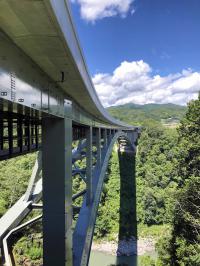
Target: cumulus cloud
{"x":134,"y":82}
{"x":92,"y":10}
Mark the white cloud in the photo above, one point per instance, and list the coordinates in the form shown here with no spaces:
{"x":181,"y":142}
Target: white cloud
{"x":92,"y":10}
{"x":134,"y":82}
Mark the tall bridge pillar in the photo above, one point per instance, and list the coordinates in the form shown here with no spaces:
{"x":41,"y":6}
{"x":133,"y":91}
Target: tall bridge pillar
{"x":105,"y":137}
{"x":57,"y":190}
{"x":98,"y":145}
{"x":89,"y":194}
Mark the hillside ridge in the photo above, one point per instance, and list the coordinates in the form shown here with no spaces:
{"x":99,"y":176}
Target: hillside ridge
{"x":140,"y":114}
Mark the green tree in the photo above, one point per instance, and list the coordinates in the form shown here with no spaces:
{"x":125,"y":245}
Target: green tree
{"x":156,"y":174}
{"x":189,"y":134}
{"x":184,"y":244}
{"x":14,"y":176}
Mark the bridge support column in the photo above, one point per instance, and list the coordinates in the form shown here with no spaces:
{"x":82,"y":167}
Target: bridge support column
{"x":133,"y":138}
{"x":89,"y":194}
{"x":105,"y":137}
{"x":98,"y":144}
{"x":109,"y":135}
{"x":57,"y":191}
{"x":1,"y":133}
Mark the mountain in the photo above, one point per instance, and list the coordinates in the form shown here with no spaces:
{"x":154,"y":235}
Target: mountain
{"x":167,"y":114}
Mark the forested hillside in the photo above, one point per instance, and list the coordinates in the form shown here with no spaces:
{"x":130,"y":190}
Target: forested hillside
{"x":14,"y":176}
{"x":141,"y":114}
{"x":168,"y":179}
{"x":182,"y":247}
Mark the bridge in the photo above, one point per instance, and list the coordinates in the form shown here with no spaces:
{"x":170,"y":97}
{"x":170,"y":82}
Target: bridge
{"x":48,"y":104}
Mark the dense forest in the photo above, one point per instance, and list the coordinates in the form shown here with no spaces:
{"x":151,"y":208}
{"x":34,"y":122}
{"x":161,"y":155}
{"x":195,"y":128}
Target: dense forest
{"x":141,"y":114}
{"x":168,"y":179}
{"x":167,"y":171}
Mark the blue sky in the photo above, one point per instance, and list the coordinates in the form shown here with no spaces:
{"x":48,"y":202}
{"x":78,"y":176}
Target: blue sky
{"x":141,"y":51}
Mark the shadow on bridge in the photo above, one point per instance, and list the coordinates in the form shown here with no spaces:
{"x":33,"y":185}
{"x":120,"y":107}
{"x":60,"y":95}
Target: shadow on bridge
{"x":127,"y":240}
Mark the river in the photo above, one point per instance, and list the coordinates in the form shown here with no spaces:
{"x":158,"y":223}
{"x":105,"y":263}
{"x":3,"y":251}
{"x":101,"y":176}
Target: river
{"x":98,"y":258}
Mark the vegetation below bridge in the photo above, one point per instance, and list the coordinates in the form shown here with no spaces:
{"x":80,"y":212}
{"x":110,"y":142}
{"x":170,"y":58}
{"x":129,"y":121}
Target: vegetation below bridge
{"x":167,"y":171}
